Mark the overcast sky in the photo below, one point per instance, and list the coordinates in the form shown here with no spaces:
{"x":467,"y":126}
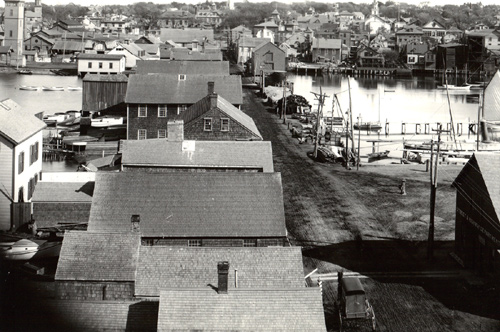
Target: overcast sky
{"x":127,"y":2}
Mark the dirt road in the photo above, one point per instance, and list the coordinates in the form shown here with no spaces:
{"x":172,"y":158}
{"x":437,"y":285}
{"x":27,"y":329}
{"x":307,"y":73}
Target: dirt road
{"x":359,"y":221}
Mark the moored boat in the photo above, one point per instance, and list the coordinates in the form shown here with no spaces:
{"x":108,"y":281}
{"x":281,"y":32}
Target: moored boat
{"x":107,"y":121}
{"x":454,"y":87}
{"x":25,"y":249}
{"x":378,"y":155}
{"x":25,"y":72}
{"x":368,"y":126}
{"x":53,"y":88}
{"x":28,"y":88}
{"x":74,"y":88}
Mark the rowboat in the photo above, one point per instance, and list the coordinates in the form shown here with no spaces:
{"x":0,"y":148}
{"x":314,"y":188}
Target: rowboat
{"x":25,"y":72}
{"x":28,"y":88}
{"x":24,"y":249}
{"x":107,"y":121}
{"x":53,"y":88}
{"x":368,"y":126}
{"x":378,"y":155}
{"x":74,"y":88}
{"x":454,"y":87}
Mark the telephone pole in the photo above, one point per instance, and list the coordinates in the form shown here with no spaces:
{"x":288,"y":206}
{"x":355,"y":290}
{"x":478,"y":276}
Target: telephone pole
{"x":321,"y":100}
{"x":434,"y":178}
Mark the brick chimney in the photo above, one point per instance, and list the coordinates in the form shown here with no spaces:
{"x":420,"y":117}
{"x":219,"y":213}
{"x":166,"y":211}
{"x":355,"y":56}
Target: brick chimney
{"x":213,"y":100}
{"x":211,"y":88}
{"x":175,"y":130}
{"x":223,"y":272}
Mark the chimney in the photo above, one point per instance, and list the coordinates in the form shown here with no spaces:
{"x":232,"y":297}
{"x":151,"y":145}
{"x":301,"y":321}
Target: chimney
{"x":223,"y":272}
{"x":194,"y":46}
{"x":211,"y":87}
{"x":175,"y":130}
{"x":135,"y":220}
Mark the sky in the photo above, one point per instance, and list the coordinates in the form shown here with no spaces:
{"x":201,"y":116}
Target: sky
{"x":127,"y":2}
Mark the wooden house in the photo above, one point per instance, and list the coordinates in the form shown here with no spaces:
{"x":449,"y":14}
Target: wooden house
{"x":20,"y":162}
{"x":178,"y":155}
{"x":179,"y":67}
{"x":213,"y":118}
{"x":191,"y":209}
{"x":103,"y":91}
{"x":246,"y":46}
{"x":176,"y":19}
{"x":89,"y":63}
{"x":152,"y":99}
{"x":327,"y":50}
{"x":185,"y":37}
{"x":434,"y":29}
{"x":477,"y":225}
{"x":268,"y":57}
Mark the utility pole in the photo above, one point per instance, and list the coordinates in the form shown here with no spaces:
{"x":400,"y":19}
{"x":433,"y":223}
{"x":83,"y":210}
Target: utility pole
{"x":321,"y":100}
{"x":434,"y":178}
{"x":359,"y":142}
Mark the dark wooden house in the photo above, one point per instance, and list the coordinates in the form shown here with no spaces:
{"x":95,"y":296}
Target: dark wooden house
{"x":213,"y":118}
{"x":268,"y":57}
{"x":477,"y":226}
{"x":152,"y":99}
{"x":191,"y":209}
{"x":102,"y":92}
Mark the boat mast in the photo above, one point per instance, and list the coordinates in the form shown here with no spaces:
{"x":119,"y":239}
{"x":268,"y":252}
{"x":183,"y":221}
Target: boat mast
{"x":351,"y":126}
{"x":451,"y":114}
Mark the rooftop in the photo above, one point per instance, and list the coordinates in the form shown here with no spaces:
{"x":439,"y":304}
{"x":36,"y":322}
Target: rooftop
{"x":16,"y":124}
{"x":183,"y":67}
{"x":63,"y":192}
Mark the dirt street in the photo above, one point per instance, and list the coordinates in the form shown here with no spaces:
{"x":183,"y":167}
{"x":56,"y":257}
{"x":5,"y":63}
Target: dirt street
{"x":358,"y":221}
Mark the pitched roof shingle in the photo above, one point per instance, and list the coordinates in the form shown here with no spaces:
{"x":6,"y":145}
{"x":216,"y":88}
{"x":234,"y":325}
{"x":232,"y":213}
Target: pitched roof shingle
{"x":98,"y":256}
{"x":63,"y":192}
{"x":190,"y":204}
{"x":17,"y":124}
{"x":183,"y":67}
{"x":262,"y":267}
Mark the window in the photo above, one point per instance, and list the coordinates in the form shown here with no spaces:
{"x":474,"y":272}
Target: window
{"x":181,"y":108}
{"x":111,"y":65}
{"x":269,"y":57}
{"x":249,"y":243}
{"x":141,"y":134}
{"x":20,"y":195}
{"x":100,"y":65}
{"x":33,"y":153}
{"x":194,"y":243}
{"x":182,"y":77}
{"x":12,"y":12}
{"x":224,"y":124}
{"x":10,"y":33}
{"x":143,"y":111}
{"x":207,"y":124}
{"x":90,"y":65}
{"x":162,"y":133}
{"x":162,"y":111}
{"x":31,"y":188}
{"x":21,"y":163}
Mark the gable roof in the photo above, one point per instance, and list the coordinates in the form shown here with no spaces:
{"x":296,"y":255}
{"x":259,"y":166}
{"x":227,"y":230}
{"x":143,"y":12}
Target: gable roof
{"x":241,"y":310}
{"x":63,"y":192}
{"x":487,"y":164}
{"x":17,"y":124}
{"x":168,"y":89}
{"x":93,"y":56}
{"x":268,"y":24}
{"x":251,"y":42}
{"x":186,"y":35}
{"x":119,"y":78}
{"x":190,"y":204}
{"x":184,"y":54}
{"x":183,"y":67}
{"x":258,"y":267}
{"x":323,"y":43}
{"x":204,"y":105}
{"x":266,"y":44}
{"x":202,"y":154}
{"x":98,"y":256}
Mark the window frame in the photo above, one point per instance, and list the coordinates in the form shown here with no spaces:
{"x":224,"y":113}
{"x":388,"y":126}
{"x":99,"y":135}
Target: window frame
{"x":222,"y":120}
{"x":142,"y":108}
{"x":209,"y":121}
{"x":100,"y":65}
{"x":162,"y":108}
{"x":181,"y":108}
{"x":194,"y":243}
{"x":89,"y":65}
{"x":164,"y":132}
{"x":111,"y":65}
{"x":182,"y":77}
{"x":249,"y":243}
{"x":20,"y":163}
{"x":139,"y":131}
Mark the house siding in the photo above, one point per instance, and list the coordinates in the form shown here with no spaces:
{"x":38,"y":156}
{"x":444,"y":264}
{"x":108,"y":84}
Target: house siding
{"x":195,"y":129}
{"x":97,"y":96}
{"x":81,"y":290}
{"x":232,"y":242}
{"x":118,"y":66}
{"x":6,"y":174}
{"x":278,"y":62}
{"x":151,"y":122}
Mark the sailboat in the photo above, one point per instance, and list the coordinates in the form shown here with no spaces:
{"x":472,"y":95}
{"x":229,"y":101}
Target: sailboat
{"x":370,"y":126}
{"x":490,"y":117}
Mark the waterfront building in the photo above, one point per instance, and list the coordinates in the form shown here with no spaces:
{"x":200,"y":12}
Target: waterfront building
{"x":89,"y":63}
{"x":104,"y":92}
{"x":246,"y":46}
{"x":188,"y":68}
{"x":176,"y":19}
{"x":20,"y":162}
{"x":268,"y":57}
{"x":132,"y":53}
{"x":326,"y":50}
{"x":434,"y":29}
{"x":408,"y":34}
{"x":477,"y":225}
{"x":14,"y":29}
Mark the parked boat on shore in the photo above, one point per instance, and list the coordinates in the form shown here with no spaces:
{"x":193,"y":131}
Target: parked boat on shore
{"x":74,"y":88}
{"x":53,"y":88}
{"x":107,"y":121}
{"x":26,"y":249}
{"x":28,"y":88}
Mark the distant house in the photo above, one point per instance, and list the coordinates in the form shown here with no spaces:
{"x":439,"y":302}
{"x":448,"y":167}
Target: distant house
{"x":408,"y":34}
{"x":269,"y":25}
{"x":101,"y":92}
{"x":204,"y":156}
{"x":266,"y":33}
{"x":477,"y":225}
{"x":20,"y":160}
{"x":375,"y":24}
{"x":191,"y":209}
{"x":39,"y":42}
{"x":100,"y":63}
{"x":202,"y":67}
{"x":117,"y":26}
{"x":268,"y":57}
{"x":154,"y":98}
{"x":62,"y":202}
{"x":369,"y":57}
{"x":215,"y":309}
{"x":239,"y":32}
{"x":176,"y":19}
{"x":5,"y":54}
{"x":489,"y":38}
{"x":213,"y":118}
{"x":327,"y":49}
{"x":185,"y":37}
{"x":132,"y":53}
{"x":434,"y":29}
{"x":68,"y":26}
{"x":246,"y":46}
{"x":184,"y":54}
{"x":208,"y":16}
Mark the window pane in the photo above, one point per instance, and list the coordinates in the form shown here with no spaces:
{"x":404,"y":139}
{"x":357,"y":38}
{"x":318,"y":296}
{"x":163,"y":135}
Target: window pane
{"x":207,"y":126}
{"x":141,"y":134}
{"x":162,"y":133}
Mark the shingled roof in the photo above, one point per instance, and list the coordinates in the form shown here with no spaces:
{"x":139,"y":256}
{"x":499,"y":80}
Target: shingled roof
{"x":190,"y":204}
{"x":186,"y":35}
{"x":183,"y":67}
{"x":202,"y":154}
{"x":63,"y":192}
{"x":17,"y":124}
{"x":241,"y":310}
{"x":89,"y":256}
{"x":204,"y":105}
{"x":182,"y":54}
{"x":262,"y":267}
{"x":169,"y":89}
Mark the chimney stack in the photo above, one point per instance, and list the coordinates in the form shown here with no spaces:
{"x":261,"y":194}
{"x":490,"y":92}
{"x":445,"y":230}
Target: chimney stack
{"x":211,"y":88}
{"x":223,"y":272}
{"x":175,"y":130}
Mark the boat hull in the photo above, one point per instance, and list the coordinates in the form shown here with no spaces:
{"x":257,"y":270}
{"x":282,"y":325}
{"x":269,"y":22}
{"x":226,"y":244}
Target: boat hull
{"x":24,"y":250}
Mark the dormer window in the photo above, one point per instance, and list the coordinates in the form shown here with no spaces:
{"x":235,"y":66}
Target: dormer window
{"x":182,"y":77}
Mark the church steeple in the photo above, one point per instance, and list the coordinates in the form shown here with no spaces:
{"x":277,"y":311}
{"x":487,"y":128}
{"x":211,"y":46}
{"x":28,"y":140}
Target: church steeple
{"x":375,"y":8}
